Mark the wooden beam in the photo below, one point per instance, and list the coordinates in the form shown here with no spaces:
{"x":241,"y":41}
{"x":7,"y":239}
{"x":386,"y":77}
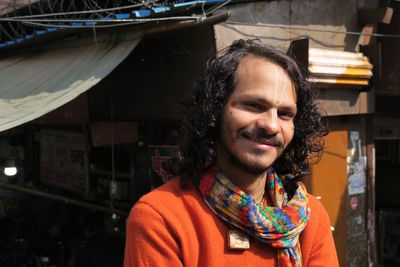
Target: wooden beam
{"x":366,"y":37}
{"x":375,"y":15}
{"x":66,"y":200}
{"x":339,"y":102}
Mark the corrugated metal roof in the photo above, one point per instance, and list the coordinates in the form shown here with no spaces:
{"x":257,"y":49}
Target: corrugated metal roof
{"x":27,"y":27}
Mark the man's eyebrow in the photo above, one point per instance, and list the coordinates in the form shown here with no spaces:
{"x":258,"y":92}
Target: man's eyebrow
{"x":258,"y":97}
{"x":261,"y":99}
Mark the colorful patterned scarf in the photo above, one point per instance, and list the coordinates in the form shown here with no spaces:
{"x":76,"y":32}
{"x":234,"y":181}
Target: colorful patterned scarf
{"x":278,"y":224}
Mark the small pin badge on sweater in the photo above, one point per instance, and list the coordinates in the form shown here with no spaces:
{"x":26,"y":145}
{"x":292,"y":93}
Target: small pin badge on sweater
{"x":238,"y":240}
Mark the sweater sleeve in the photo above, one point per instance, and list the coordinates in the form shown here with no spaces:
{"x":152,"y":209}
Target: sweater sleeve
{"x":149,"y":241}
{"x":323,"y":251}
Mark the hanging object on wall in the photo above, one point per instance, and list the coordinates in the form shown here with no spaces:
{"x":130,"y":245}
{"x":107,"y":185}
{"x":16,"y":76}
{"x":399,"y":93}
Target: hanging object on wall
{"x":353,"y":202}
{"x":159,"y":154}
{"x":327,"y":68}
{"x":124,"y":132}
{"x":64,"y":160}
{"x":356,"y":165}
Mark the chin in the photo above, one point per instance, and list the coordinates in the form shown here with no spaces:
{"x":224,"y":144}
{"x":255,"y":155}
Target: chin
{"x":256,"y":167}
{"x":261,"y":160}
{"x":252,"y":161}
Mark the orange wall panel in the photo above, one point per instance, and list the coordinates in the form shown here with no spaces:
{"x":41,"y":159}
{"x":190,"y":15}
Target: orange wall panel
{"x":329,"y":181}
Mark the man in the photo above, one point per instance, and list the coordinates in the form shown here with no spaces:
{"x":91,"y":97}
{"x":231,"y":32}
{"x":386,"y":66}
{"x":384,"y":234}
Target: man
{"x":249,"y":129}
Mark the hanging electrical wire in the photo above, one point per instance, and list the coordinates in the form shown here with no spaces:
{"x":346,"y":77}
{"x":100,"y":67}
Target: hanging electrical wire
{"x":120,"y":23}
{"x":49,"y":15}
{"x":90,"y":11}
{"x":292,"y":27}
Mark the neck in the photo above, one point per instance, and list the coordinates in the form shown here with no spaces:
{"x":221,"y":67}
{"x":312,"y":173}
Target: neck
{"x":251,"y":184}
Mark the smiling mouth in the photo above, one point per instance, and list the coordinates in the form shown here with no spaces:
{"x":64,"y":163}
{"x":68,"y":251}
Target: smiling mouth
{"x":269,"y":141}
{"x":264,"y":142}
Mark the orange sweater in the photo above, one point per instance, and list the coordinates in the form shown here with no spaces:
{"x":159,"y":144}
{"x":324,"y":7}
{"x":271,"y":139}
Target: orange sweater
{"x":172,"y":227}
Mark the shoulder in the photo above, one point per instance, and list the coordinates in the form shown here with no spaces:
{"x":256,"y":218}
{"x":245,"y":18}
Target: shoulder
{"x":319,"y":219}
{"x":166,"y":201}
{"x":169,"y":193}
{"x":316,"y":240}
{"x":153,"y":228}
{"x":318,"y":211}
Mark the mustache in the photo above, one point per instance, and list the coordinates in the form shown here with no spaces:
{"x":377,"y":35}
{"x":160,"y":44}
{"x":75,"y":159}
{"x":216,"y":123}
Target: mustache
{"x":258,"y":135}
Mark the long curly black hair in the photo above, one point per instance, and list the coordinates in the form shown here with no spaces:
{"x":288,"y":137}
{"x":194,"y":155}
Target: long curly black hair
{"x":203,"y":110}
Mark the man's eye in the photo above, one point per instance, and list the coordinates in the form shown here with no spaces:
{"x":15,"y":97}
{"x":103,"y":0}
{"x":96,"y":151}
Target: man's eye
{"x":286,"y":115}
{"x":254,"y":106}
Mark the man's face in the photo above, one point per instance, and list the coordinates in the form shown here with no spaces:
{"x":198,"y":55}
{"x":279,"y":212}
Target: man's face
{"x":257,"y":123}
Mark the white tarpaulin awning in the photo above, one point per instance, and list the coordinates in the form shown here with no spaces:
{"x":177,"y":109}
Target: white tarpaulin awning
{"x":35,"y":83}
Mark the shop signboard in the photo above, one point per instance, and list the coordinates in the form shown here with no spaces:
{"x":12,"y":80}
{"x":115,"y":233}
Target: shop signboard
{"x":64,"y":160}
{"x":158,"y":156}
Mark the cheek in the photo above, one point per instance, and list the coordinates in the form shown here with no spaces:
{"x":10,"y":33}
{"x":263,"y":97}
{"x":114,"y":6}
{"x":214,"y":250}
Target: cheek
{"x":236,"y":120}
{"x":226,"y":135}
{"x":289,"y":133}
{"x":228,"y":129}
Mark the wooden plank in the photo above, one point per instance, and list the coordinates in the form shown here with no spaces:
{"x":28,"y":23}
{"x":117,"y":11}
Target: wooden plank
{"x":375,"y":15}
{"x":339,"y":101}
{"x":367,"y":102}
{"x":334,"y":71}
{"x":329,"y":183}
{"x":338,"y":82}
{"x":366,"y":37}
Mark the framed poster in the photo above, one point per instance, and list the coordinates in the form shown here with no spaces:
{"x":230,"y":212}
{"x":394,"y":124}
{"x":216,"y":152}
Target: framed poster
{"x":64,"y":160}
{"x":356,"y":165}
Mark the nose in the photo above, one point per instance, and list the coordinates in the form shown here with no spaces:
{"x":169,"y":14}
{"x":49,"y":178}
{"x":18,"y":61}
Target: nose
{"x":269,"y":122}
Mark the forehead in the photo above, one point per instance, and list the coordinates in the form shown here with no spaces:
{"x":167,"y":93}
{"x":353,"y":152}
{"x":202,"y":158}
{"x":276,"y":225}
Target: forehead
{"x":255,"y":74}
